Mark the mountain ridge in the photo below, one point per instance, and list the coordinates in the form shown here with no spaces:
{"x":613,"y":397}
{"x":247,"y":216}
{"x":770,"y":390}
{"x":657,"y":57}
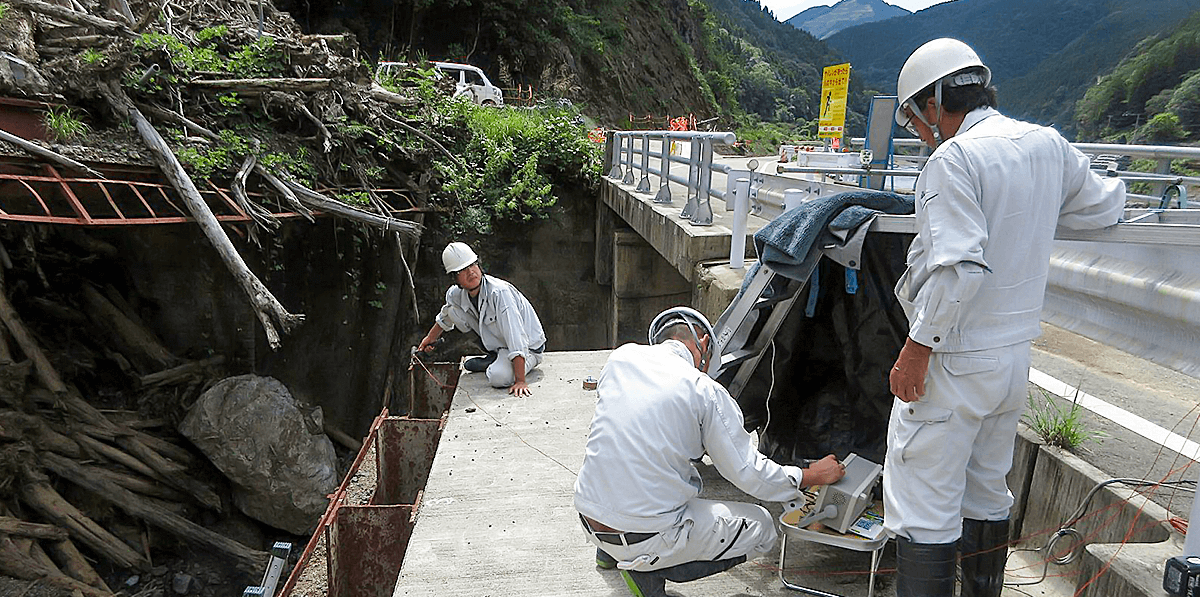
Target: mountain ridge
{"x":824,"y":21}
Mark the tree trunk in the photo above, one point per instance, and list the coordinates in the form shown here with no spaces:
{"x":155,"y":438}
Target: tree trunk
{"x":245,"y":558}
{"x":266,"y":307}
{"x":137,"y":343}
{"x":41,"y":497}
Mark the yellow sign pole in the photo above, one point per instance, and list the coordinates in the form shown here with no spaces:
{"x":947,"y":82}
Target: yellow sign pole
{"x":835,"y":82}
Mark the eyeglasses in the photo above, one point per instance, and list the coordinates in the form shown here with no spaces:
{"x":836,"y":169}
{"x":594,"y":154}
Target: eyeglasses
{"x":909,"y":125}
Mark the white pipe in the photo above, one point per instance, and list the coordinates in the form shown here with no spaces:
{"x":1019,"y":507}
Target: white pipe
{"x":792,"y":198}
{"x":741,"y":208}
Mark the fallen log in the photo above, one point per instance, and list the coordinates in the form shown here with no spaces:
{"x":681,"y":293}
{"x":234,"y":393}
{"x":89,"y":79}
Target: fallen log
{"x":18,"y":565}
{"x":265,"y":85}
{"x":137,"y":343}
{"x":173,"y":474}
{"x":180,"y":373}
{"x":41,"y":365}
{"x":136,"y":484}
{"x":33,"y":530}
{"x":248,"y":560}
{"x":73,"y":16}
{"x":115,"y":455}
{"x":42,"y":152}
{"x":75,"y":565}
{"x":269,"y":311}
{"x":42,"y":498}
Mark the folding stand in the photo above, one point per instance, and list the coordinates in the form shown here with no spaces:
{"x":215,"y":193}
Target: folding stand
{"x":853,"y":542}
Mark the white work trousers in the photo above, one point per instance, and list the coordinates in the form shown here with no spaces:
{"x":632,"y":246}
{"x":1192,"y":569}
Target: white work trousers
{"x":710,"y":530}
{"x":500,"y":373}
{"x":949,"y":452}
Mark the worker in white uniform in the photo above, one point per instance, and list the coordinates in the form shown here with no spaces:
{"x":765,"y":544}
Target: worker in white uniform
{"x":657,"y":413}
{"x":498,"y":312}
{"x":988,"y":202}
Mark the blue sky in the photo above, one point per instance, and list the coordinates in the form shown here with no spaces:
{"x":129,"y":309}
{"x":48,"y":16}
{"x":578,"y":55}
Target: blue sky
{"x":786,"y":9}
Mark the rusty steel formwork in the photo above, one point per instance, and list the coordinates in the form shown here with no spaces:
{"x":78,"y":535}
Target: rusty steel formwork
{"x":37,"y":192}
{"x":364,"y":532}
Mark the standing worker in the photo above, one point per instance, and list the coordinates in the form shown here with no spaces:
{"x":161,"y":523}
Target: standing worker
{"x":658,"y":413}
{"x":498,"y":312}
{"x":988,"y":202}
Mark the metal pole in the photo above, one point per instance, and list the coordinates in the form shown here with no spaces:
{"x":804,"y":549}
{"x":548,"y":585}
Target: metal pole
{"x":629,"y":153}
{"x":704,"y":212}
{"x":664,"y":167}
{"x":615,"y":142}
{"x":644,"y":183}
{"x":741,"y":206}
{"x":693,"y":201}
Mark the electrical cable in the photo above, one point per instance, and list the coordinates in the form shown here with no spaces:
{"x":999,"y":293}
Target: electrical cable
{"x":1067,"y":530}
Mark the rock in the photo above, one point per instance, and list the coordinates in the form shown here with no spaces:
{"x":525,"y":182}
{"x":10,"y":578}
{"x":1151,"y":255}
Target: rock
{"x":273,"y":450}
{"x":181,"y":584}
{"x":132,"y":581}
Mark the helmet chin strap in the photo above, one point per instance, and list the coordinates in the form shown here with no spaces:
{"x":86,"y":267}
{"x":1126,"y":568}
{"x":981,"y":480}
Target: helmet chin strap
{"x":920,"y":115}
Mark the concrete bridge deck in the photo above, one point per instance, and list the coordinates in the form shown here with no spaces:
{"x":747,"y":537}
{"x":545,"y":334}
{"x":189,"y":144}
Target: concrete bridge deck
{"x":497,"y":518}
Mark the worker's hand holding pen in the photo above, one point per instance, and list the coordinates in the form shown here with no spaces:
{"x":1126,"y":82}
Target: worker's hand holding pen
{"x":823,"y":472}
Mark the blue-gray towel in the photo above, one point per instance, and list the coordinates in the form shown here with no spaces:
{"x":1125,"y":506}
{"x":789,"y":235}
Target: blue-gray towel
{"x":792,"y":242}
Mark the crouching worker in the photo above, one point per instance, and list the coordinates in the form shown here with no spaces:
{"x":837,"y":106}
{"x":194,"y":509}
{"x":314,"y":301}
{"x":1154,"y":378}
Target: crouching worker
{"x":656,"y":413}
{"x":505,"y":321}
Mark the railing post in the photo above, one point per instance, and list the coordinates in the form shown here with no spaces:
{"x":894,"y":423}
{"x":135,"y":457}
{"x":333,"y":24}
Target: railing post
{"x":693,"y":201}
{"x":741,"y":207}
{"x":704,"y":213}
{"x":615,"y":143}
{"x":629,"y":154}
{"x":792,"y":198}
{"x":664,"y":167}
{"x":644,"y":183}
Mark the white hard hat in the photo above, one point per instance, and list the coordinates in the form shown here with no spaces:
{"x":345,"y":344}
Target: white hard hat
{"x":934,"y":61}
{"x":458,"y":256}
{"x":685,"y":315}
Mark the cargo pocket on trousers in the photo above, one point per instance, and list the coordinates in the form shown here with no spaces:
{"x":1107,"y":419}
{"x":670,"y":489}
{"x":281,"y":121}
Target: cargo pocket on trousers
{"x":961,"y":364}
{"x":917,"y":442}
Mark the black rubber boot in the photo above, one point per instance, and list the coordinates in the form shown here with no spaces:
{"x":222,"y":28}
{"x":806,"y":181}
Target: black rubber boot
{"x":925,"y":569}
{"x":984,"y":548}
{"x":479,"y":364}
{"x":645,"y":584}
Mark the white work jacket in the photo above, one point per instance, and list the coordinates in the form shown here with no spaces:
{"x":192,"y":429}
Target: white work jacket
{"x":988,"y":202}
{"x":656,"y":414}
{"x":504,"y":319}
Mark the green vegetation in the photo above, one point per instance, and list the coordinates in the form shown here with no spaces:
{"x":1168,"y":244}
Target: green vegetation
{"x":3,"y":9}
{"x":513,"y":158}
{"x":1152,"y":96}
{"x":63,"y":125}
{"x":1058,"y":425}
{"x":259,"y":58}
{"x":764,"y":138}
{"x":91,"y":56}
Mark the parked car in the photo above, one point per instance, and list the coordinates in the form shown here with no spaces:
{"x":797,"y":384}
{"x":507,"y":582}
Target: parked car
{"x":468,"y":80}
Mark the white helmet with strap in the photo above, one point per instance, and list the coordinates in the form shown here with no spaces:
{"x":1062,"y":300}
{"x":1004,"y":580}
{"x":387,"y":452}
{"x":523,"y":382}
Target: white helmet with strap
{"x":690,"y":317}
{"x":941,"y":62}
{"x":457,"y":256}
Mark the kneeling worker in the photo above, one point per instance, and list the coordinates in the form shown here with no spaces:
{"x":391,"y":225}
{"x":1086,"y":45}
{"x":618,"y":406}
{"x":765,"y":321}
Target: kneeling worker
{"x":498,"y":312}
{"x":657,"y":413}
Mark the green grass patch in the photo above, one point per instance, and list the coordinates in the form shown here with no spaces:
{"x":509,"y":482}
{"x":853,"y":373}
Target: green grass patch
{"x":1058,"y":424}
{"x":63,"y":125}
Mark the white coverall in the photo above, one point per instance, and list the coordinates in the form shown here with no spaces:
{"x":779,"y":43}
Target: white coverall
{"x":988,"y":202}
{"x":505,"y":322}
{"x":656,"y":414}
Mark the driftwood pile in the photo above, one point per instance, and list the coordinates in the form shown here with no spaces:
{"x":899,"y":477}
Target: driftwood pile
{"x":54,"y":441}
{"x":51,"y":437}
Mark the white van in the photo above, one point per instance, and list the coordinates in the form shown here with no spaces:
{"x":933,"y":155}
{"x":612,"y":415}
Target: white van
{"x":468,"y":80}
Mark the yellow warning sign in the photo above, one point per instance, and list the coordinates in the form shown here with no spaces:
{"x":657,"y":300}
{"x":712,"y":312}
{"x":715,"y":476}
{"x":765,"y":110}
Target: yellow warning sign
{"x":834,"y":84}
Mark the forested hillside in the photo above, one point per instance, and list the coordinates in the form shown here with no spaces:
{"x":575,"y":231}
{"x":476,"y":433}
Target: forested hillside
{"x":824,"y":21}
{"x":1153,"y":96}
{"x":1044,"y":57}
{"x":616,"y":58}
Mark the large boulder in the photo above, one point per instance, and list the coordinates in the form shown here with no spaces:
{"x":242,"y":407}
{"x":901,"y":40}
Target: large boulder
{"x":271,"y":447}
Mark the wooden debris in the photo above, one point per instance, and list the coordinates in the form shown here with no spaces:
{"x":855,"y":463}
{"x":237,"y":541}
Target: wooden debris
{"x":16,"y":526}
{"x":42,"y":152}
{"x":43,"y":498}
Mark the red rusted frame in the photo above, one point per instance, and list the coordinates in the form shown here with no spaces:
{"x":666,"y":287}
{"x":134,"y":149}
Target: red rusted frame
{"x":103,"y":190}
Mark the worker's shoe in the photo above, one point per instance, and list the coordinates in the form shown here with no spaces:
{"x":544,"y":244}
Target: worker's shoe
{"x":925,"y":569}
{"x":984,"y":549}
{"x":479,"y":364}
{"x":651,"y":584}
{"x":645,"y":584}
{"x":697,"y":570}
{"x":605,"y":561}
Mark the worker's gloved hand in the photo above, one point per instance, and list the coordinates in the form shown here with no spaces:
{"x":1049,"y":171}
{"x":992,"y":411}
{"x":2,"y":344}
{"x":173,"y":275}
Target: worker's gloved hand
{"x":823,"y":472}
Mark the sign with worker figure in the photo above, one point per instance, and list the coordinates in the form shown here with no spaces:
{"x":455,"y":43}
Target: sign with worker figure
{"x":834,"y":84}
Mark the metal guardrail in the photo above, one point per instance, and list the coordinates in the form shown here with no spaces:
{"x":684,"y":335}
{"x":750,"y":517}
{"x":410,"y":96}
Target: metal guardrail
{"x":698,"y":209}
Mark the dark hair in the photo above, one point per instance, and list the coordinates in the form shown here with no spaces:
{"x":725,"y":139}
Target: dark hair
{"x":960,"y":100}
{"x":678,"y":331}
